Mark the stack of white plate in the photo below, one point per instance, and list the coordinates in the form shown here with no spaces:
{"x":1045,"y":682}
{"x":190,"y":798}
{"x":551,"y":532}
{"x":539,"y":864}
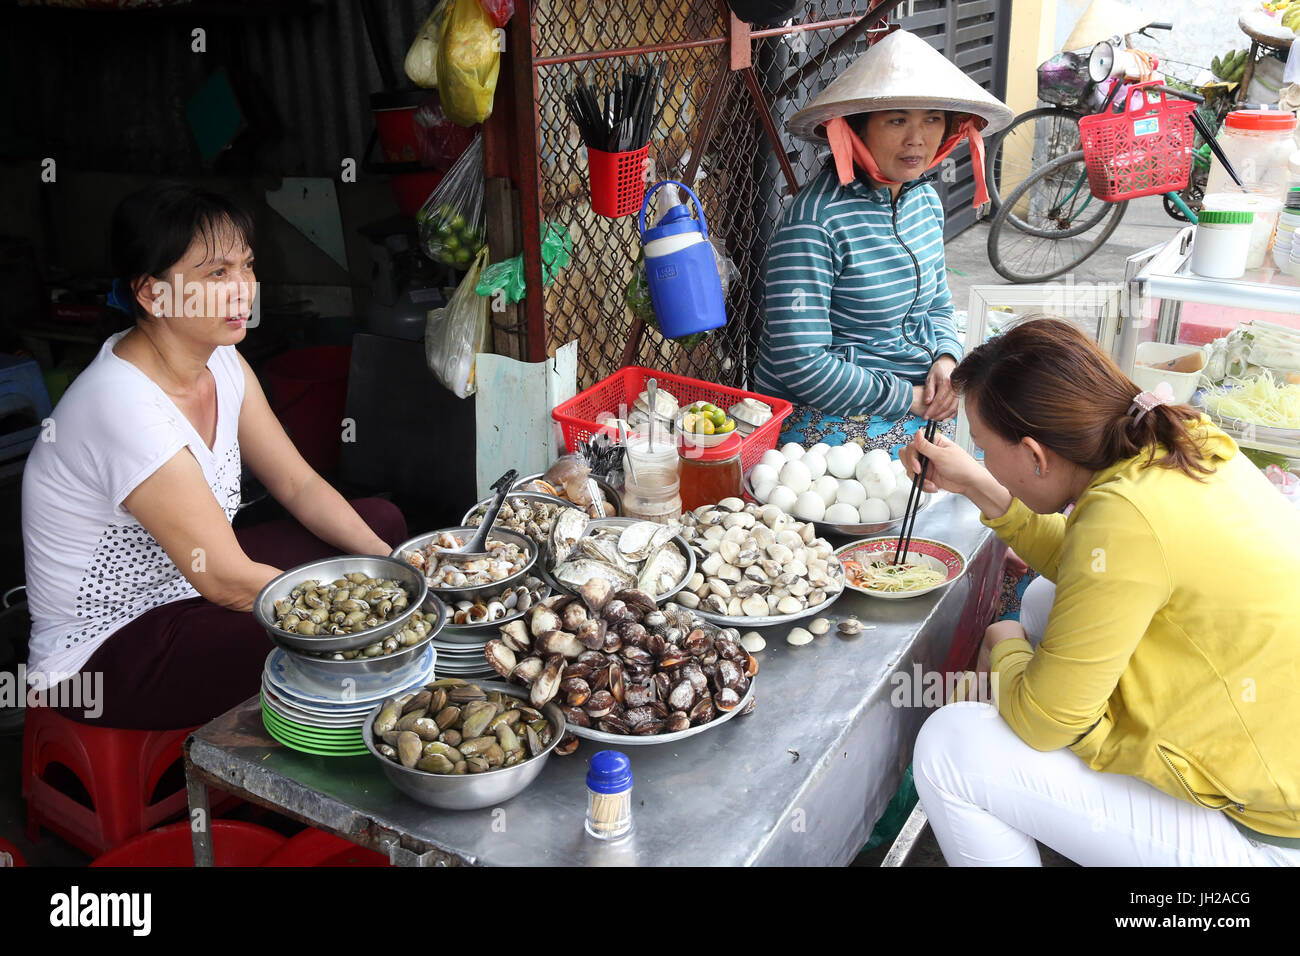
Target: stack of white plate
{"x":460,"y":651}
{"x":321,"y":719}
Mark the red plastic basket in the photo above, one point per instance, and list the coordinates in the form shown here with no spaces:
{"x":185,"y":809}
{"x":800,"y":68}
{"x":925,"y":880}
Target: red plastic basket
{"x":617,"y":181}
{"x":1143,"y":151}
{"x":618,"y":393}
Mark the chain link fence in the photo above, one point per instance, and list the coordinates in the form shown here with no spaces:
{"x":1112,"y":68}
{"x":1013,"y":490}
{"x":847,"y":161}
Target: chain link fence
{"x":739,"y":182}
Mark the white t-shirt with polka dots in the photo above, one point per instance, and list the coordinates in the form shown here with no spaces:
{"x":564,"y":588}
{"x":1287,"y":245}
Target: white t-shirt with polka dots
{"x":90,"y":566}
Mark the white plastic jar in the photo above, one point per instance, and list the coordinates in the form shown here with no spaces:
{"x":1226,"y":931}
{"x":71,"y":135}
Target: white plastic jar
{"x":1265,"y":210}
{"x":1259,"y":144}
{"x":1221,"y":243}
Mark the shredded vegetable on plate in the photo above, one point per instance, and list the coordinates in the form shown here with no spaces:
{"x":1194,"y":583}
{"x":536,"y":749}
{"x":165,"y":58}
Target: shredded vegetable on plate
{"x":1258,"y":401}
{"x":882,"y":575}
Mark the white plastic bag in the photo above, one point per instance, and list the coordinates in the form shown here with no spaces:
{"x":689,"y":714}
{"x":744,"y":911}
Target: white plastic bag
{"x":421,"y":59}
{"x":455,"y":334}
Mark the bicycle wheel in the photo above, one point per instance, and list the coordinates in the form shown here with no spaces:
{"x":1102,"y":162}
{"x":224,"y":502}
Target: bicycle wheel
{"x":1065,"y":223}
{"x":1032,"y":140}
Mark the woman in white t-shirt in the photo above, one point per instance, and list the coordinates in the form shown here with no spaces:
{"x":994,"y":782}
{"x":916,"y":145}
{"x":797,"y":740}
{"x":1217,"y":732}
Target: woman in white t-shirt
{"x":133,"y":569}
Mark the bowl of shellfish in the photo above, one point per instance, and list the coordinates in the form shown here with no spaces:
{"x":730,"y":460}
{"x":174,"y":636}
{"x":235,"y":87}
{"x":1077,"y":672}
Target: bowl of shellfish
{"x":570,"y":486}
{"x":623,"y":670}
{"x":528,"y":513}
{"x":486,"y":612}
{"x":457,"y":745}
{"x":509,"y":558}
{"x":390,"y":656}
{"x":340,"y":604}
{"x":627,"y":553}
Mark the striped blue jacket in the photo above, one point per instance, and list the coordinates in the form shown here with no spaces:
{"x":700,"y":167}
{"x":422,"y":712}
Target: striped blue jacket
{"x":848,"y":272}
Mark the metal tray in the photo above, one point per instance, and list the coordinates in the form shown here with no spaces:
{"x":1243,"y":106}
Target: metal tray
{"x":633,"y":740}
{"x":676,"y":539}
{"x":855,"y":530}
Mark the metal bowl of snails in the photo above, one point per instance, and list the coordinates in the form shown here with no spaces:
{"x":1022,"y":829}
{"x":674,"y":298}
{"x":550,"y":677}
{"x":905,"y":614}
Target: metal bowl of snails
{"x":415,"y":554}
{"x":472,"y":622}
{"x":332,"y":594}
{"x":395,"y":654}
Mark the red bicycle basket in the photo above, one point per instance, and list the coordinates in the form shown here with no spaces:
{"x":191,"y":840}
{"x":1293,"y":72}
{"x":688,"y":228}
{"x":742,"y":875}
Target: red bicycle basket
{"x":618,"y":393}
{"x":1143,"y":151}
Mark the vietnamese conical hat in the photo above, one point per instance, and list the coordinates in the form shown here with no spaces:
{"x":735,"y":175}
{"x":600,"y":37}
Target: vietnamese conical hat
{"x":900,"y":72}
{"x":1103,"y":20}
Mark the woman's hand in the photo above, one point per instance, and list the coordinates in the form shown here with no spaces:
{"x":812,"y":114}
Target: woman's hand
{"x":939,"y":398}
{"x":951,"y":469}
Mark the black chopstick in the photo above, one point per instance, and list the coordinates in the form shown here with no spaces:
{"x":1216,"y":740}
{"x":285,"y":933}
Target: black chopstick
{"x":620,"y":117}
{"x":914,"y":501}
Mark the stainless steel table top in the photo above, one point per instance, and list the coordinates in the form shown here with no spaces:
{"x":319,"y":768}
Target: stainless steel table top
{"x":801,"y":780}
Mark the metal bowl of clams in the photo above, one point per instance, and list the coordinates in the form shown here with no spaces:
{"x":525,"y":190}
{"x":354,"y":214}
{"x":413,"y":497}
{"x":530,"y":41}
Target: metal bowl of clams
{"x":627,"y":552}
{"x":326,"y":668}
{"x":450,"y":595}
{"x":468,"y":791}
{"x":279,"y":595}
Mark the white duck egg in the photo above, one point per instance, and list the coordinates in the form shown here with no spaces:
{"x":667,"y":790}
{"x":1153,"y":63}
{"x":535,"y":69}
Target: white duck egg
{"x":840,"y":461}
{"x":815,"y":463}
{"x":792,"y":450}
{"x":828,"y":486}
{"x":796,"y":476}
{"x":874,"y":511}
{"x":879,"y":456}
{"x":898,"y":501}
{"x":871,"y":469}
{"x":762,"y":474}
{"x":898,"y":467}
{"x":880,"y":485}
{"x":783,"y":498}
{"x":854,"y":449}
{"x":773,"y":459}
{"x":810,"y":507}
{"x":763,"y":490}
{"x":841,"y":513}
{"x":821,"y":448}
{"x":851,"y":492}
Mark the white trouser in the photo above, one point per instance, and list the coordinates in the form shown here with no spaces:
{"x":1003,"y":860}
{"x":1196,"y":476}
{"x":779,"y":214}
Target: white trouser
{"x":1035,"y":607}
{"x":989,"y":796}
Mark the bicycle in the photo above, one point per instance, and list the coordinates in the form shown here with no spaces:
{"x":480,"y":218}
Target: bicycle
{"x":1051,"y":222}
{"x":1077,"y":86}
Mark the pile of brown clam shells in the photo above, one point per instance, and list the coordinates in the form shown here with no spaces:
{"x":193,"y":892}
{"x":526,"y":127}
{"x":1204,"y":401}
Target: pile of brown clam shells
{"x":454,"y":727}
{"x":349,"y":604}
{"x":617,"y":663}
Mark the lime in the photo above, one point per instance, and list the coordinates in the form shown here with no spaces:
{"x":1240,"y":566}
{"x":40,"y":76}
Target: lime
{"x":463,"y":257}
{"x":457,"y":221}
{"x":688,"y":422}
{"x":717,"y":416}
{"x":451,"y":243}
{"x":703,"y":426}
{"x":727,"y":426}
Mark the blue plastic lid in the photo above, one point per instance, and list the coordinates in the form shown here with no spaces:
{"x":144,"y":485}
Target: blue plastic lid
{"x":609,"y":772}
{"x":674,"y":222}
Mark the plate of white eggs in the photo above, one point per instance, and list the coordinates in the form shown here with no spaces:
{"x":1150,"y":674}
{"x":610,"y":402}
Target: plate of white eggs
{"x":840,"y":488}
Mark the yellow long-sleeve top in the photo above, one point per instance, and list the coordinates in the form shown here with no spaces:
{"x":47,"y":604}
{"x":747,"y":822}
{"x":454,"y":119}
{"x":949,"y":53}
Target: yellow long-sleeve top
{"x":1172,"y":652}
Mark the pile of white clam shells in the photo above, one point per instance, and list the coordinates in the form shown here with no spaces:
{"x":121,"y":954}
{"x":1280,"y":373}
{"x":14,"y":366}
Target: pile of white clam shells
{"x":756,"y":561}
{"x":838,"y":485}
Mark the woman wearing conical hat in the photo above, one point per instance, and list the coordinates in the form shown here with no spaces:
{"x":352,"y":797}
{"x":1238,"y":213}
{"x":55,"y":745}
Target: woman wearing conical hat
{"x":858,"y":329}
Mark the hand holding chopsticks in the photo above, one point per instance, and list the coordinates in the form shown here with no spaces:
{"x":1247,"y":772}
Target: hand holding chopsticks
{"x":914,"y":499}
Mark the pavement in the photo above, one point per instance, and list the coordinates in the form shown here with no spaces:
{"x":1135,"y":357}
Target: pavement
{"x":1145,"y":224}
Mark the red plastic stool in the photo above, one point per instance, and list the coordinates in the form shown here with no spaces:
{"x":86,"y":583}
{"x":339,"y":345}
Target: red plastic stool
{"x":118,"y":768}
{"x":234,"y":843}
{"x":9,"y":855}
{"x":314,"y":847}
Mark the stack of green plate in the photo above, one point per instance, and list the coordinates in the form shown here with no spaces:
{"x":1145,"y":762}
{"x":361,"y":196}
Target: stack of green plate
{"x":322,"y":741}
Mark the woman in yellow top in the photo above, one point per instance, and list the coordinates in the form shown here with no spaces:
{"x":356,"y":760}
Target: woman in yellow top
{"x":1171,"y":657}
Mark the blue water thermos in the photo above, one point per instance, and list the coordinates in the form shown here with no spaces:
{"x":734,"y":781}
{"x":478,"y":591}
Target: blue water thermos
{"x":685,"y":288}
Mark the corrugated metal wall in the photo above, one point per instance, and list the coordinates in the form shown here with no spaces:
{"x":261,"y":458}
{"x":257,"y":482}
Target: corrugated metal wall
{"x":107,"y":90}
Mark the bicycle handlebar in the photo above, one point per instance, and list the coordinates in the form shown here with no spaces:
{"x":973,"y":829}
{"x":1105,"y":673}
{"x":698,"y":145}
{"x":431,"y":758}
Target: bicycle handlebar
{"x":1157,"y":26}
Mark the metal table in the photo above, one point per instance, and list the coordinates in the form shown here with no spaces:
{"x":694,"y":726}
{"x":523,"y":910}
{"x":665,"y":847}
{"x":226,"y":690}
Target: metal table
{"x":800,"y":781}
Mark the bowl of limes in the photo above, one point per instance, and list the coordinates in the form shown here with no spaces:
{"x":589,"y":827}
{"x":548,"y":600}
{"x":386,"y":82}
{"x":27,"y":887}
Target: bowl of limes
{"x":447,"y":236}
{"x":704,"y":424}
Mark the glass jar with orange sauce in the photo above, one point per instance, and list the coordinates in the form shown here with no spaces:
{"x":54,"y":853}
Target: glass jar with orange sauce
{"x":709,"y":473}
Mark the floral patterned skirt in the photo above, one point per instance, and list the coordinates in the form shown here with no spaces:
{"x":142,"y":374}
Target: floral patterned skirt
{"x":808,"y":426}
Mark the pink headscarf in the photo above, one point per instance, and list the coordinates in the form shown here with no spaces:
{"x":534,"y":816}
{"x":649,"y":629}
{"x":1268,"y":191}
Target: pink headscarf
{"x":847,"y":148}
